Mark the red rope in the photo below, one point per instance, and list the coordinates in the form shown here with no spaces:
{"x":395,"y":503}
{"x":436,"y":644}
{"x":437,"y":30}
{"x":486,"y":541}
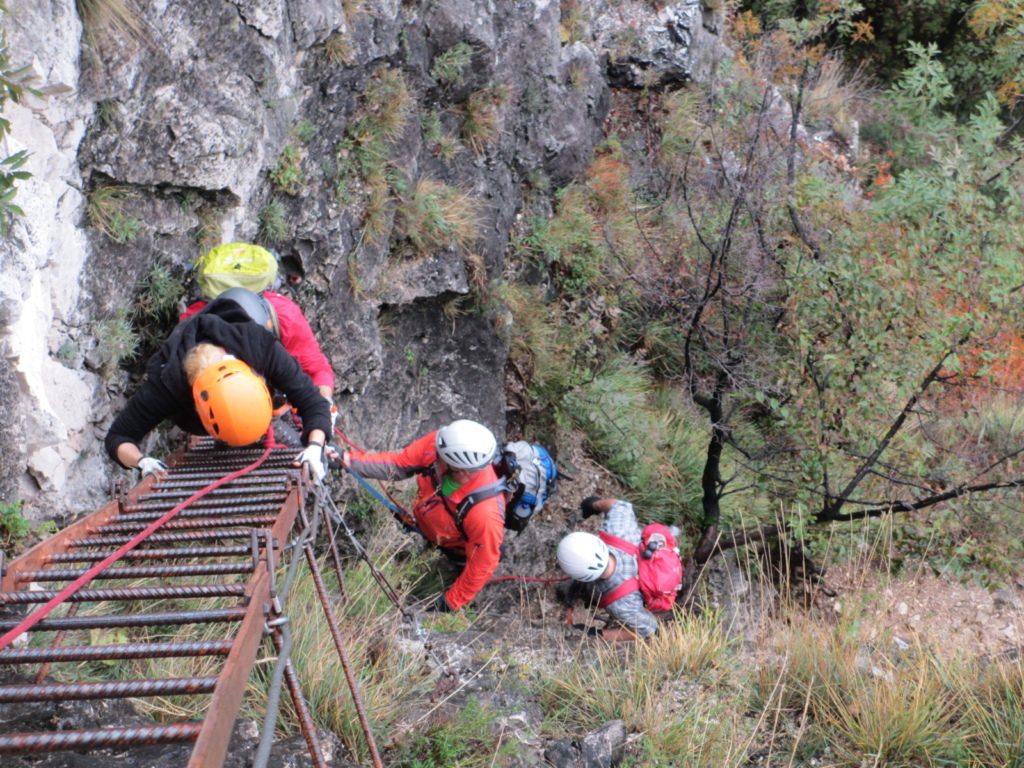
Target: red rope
{"x":44,"y":610}
{"x":387,"y":493}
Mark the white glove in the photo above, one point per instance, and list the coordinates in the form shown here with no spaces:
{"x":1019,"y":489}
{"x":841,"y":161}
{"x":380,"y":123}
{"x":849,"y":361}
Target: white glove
{"x":314,"y":457}
{"x":149,"y":466}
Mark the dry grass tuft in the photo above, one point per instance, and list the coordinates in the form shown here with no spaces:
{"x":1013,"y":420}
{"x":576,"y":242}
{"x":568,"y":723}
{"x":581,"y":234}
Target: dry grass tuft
{"x":438,"y":216}
{"x":106,"y":212}
{"x":481,"y":124}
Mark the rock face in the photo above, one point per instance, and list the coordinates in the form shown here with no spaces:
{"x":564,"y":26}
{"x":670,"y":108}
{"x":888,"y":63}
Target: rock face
{"x":198,"y":121}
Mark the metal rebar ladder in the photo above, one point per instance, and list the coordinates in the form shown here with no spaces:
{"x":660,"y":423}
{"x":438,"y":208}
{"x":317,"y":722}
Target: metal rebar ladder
{"x":231,"y":539}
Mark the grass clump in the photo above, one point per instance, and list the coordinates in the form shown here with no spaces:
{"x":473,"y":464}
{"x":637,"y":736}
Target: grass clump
{"x":465,"y":738}
{"x":208,"y":233}
{"x":901,"y":711}
{"x":366,"y":150}
{"x":287,"y":174}
{"x":116,"y":17}
{"x":158,"y":298}
{"x":273,"y":222}
{"x":659,"y":688}
{"x":116,"y":340}
{"x":993,"y":705}
{"x":481,"y":117}
{"x":340,"y":49}
{"x":106,"y":212}
{"x":437,"y":216}
{"x":575,"y":21}
{"x":449,"y":66}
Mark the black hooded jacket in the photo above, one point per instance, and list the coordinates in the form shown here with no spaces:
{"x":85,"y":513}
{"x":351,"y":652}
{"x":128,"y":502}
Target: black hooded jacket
{"x":166,"y":393}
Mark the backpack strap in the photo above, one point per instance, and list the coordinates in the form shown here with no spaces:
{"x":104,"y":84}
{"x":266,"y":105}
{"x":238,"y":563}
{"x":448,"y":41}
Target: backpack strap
{"x":469,"y":501}
{"x":274,"y":320}
{"x":629,"y":585}
{"x":615,"y":541}
{"x":625,"y":588}
{"x":474,"y":498}
{"x":480,"y":494}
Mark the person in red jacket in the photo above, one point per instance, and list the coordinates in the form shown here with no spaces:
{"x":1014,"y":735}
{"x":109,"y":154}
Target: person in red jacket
{"x":296,"y":337}
{"x":449,"y":464}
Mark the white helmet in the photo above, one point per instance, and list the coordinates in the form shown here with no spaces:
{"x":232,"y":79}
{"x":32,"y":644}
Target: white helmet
{"x":465,"y":444}
{"x":583,"y":556}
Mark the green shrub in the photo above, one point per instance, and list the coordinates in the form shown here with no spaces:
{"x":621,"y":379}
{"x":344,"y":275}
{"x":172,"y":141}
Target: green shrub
{"x":287,"y":174}
{"x":14,"y":526}
{"x":10,"y":173}
{"x":467,"y":738}
{"x":653,"y":450}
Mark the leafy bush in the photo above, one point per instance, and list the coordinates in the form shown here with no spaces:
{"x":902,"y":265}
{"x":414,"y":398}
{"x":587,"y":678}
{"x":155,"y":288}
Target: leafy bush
{"x":14,"y":526}
{"x":287,"y":174}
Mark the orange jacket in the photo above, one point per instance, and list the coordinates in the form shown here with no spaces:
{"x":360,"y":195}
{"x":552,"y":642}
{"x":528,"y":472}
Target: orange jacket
{"x":484,"y":524}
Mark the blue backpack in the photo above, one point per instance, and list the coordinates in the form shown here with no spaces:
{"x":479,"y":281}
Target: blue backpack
{"x":527,"y":476}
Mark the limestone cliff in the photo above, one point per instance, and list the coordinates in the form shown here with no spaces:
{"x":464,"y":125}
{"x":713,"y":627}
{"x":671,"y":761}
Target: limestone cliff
{"x":221,"y":120}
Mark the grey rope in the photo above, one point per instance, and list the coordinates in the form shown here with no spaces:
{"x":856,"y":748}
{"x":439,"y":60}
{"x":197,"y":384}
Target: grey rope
{"x":297,"y":545}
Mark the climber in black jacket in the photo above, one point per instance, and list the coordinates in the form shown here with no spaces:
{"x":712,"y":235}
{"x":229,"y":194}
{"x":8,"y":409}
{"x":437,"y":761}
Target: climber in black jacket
{"x":208,"y":378}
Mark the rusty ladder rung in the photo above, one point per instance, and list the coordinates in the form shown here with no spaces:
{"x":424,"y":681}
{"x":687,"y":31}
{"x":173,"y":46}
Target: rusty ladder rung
{"x":188,"y":514}
{"x":115,"y":652}
{"x":140,"y":572}
{"x":150,"y":554}
{"x":127,"y":593}
{"x":133,"y":620}
{"x":179,"y":525}
{"x":163,"y":538}
{"x":118,"y":689}
{"x":175,"y":733}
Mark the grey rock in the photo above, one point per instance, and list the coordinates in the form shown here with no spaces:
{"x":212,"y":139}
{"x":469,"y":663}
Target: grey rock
{"x":1004,"y":598}
{"x":561,"y":754}
{"x":12,"y":437}
{"x":605,"y":747}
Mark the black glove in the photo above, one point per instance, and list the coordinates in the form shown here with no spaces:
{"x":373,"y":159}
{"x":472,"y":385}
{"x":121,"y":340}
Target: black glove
{"x":588,"y":631}
{"x":587,"y":506}
{"x":331,"y":450}
{"x":439,"y":606}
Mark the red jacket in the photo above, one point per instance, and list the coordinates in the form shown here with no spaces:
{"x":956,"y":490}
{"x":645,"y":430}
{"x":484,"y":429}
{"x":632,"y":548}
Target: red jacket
{"x":484,"y":524}
{"x":296,"y":337}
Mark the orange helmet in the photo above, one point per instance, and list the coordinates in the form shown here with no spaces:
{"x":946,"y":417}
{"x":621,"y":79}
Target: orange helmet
{"x":233,"y":402}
